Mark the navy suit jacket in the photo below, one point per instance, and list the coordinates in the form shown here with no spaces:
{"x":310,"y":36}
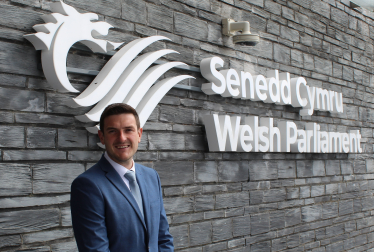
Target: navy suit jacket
{"x":106,"y":216}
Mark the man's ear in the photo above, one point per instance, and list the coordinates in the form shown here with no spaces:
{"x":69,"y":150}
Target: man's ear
{"x":101,"y":136}
{"x":140,"y":132}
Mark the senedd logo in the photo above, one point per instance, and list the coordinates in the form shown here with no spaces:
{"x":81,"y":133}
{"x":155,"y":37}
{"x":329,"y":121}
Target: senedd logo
{"x":122,"y":79}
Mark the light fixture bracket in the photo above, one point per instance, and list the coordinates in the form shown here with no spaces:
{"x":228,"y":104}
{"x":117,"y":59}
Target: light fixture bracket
{"x":230,"y":27}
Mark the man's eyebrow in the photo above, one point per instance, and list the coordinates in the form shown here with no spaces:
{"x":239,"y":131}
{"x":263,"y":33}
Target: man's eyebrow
{"x":126,"y":127}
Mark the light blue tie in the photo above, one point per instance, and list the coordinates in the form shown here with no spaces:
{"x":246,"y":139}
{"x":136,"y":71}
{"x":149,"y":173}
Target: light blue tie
{"x":134,"y":187}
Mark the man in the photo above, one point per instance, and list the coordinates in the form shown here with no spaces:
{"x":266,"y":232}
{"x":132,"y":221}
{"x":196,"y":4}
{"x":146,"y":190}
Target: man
{"x":110,"y":210}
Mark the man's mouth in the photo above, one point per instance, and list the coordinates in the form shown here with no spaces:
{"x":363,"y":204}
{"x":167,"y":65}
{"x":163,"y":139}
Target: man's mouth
{"x":122,"y":146}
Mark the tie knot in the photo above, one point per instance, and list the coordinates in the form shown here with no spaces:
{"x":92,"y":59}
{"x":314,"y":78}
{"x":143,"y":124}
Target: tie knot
{"x":130,"y":175}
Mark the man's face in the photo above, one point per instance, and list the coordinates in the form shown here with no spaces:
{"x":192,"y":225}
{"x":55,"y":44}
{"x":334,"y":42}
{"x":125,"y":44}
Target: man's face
{"x":121,"y":138}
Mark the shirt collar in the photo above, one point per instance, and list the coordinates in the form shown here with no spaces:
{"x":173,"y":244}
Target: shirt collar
{"x":121,"y":170}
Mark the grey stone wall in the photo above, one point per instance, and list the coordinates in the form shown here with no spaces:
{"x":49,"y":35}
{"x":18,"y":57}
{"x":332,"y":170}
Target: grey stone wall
{"x":214,"y":201}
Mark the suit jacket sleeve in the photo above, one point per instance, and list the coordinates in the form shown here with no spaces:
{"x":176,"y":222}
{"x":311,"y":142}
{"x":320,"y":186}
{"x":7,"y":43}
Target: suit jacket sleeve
{"x":88,"y":218}
{"x":165,"y":240}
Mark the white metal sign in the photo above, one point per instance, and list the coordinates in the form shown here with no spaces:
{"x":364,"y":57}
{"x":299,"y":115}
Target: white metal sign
{"x":130,"y":79}
{"x":122,"y":79}
{"x":226,"y":133}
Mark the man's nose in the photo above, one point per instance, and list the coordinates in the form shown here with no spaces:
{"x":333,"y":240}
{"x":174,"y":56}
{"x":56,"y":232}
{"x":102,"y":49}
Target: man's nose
{"x":122,"y":136}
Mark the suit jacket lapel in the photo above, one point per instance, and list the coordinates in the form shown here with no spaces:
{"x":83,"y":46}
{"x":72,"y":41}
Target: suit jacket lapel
{"x":144,"y":191}
{"x":117,"y":181}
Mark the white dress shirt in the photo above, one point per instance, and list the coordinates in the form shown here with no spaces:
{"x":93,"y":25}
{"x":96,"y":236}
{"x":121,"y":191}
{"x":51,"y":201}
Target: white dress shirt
{"x":121,"y":170}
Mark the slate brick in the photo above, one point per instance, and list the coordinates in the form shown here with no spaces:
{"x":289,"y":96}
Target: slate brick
{"x":359,"y":166}
{"x":6,"y":117}
{"x":48,"y":235}
{"x":241,"y":226}
{"x":262,"y":170}
{"x":345,"y":207}
{"x":293,"y":240}
{"x":56,"y":103}
{"x":332,"y":189}
{"x":290,"y":34}
{"x":91,"y":156}
{"x":222,"y":229}
{"x":322,"y":8}
{"x":273,"y":7}
{"x":12,"y":136}
{"x":279,"y":244}
{"x":277,"y":220}
{"x":66,"y":217}
{"x":55,"y":177}
{"x":215,"y":34}
{"x":260,"y":223}
{"x":261,"y":247}
{"x":286,"y":169}
{"x":304,"y":192}
{"x":318,"y":190}
{"x":21,"y":100}
{"x":134,"y":11}
{"x":177,"y":115}
{"x":22,"y":202}
{"x":28,"y":221}
{"x":323,"y":66}
{"x":180,"y":235}
{"x":282,"y":54}
{"x":38,"y":137}
{"x":330,"y":210}
{"x":256,"y":197}
{"x":10,"y":240}
{"x":205,"y":171}
{"x":41,"y":118}
{"x":72,"y":138}
{"x":175,"y":173}
{"x":231,"y":171}
{"x":230,"y":200}
{"x":15,"y":179}
{"x":292,"y":217}
{"x":274,"y":195}
{"x":311,"y":213}
{"x":196,"y":143}
{"x":339,"y":16}
{"x":108,"y":8}
{"x":14,"y":155}
{"x":64,"y":246}
{"x":204,"y":203}
{"x":166,"y":141}
{"x":293,"y":193}
{"x":367,"y":203}
{"x":273,"y":28}
{"x":12,"y":80}
{"x":178,"y":205}
{"x":346,"y":167}
{"x":310,"y":168}
{"x":177,"y":156}
{"x":160,"y":17}
{"x":190,"y":27}
{"x":200,"y":233}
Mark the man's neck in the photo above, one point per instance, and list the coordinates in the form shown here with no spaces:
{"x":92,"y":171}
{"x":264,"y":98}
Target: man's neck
{"x":129,"y":165}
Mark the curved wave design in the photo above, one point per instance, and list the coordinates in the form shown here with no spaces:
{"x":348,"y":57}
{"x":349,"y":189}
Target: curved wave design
{"x":112,"y":70}
{"x":124,"y":84}
{"x":126,"y":77}
{"x":151,"y":99}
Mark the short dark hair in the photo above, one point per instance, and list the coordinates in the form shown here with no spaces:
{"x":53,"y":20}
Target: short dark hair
{"x":117,"y":109}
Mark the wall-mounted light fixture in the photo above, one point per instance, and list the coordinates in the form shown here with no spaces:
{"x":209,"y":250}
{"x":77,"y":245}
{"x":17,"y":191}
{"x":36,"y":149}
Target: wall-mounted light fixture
{"x":367,"y":4}
{"x":230,"y":27}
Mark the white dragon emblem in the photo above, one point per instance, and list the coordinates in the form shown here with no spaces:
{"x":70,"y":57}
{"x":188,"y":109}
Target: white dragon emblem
{"x":122,"y":79}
